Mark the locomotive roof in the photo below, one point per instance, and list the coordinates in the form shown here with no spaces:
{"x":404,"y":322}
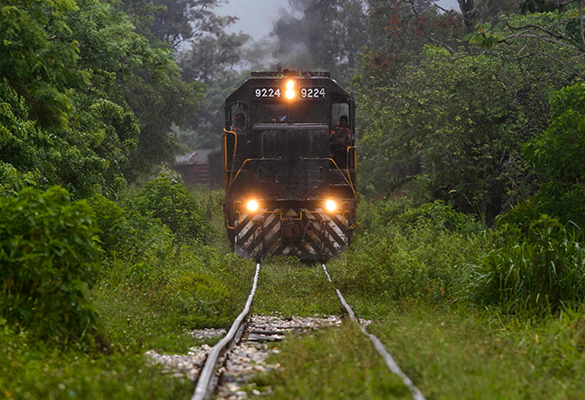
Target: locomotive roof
{"x":290,"y":73}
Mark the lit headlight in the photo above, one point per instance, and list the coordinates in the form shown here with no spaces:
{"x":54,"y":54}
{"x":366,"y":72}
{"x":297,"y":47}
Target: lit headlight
{"x":330,"y":205}
{"x":290,"y":93}
{"x":252,"y":206}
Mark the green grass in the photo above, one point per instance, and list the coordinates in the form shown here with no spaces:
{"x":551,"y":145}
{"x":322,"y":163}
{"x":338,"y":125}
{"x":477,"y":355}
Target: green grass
{"x":408,"y":277}
{"x":35,"y":372}
{"x":336,"y":363}
{"x":459,"y":353}
{"x":406,"y":272}
{"x":450,"y":352}
{"x":197,"y":288}
{"x":289,"y":287}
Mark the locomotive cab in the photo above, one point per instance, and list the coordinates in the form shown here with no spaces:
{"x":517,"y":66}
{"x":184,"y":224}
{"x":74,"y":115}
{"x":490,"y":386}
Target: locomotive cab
{"x":289,"y":165}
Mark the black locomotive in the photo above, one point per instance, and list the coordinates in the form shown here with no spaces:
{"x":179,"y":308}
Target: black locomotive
{"x":290,"y":166}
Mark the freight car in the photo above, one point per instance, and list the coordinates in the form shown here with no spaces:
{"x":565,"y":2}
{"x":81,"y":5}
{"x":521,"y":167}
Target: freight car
{"x":290,"y":166}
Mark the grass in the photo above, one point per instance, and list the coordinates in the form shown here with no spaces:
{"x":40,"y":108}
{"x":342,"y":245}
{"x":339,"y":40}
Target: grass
{"x":450,"y":352}
{"x":460,"y":353}
{"x":147,"y":298}
{"x":405,"y":272}
{"x":35,"y":372}
{"x":289,"y":287}
{"x":333,"y":364}
{"x":408,"y":278}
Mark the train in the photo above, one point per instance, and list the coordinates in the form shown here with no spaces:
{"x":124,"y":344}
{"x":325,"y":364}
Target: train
{"x":289,"y":168}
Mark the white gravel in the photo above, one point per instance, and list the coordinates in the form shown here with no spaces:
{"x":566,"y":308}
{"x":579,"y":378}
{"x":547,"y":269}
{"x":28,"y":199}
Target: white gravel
{"x":247,"y":358}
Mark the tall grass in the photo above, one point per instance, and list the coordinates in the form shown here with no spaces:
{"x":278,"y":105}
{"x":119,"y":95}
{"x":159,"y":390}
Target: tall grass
{"x":533,"y":273}
{"x":408,"y":253}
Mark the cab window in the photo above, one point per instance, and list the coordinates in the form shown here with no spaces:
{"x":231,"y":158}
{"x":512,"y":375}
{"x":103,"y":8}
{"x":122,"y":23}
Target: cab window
{"x":238,"y":117}
{"x":337,"y":110}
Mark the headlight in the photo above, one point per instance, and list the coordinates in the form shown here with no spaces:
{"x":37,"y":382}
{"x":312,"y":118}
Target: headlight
{"x":252,"y":206}
{"x":330,"y":205}
{"x":290,"y":93}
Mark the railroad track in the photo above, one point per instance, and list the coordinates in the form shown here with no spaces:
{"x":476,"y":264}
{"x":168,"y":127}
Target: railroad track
{"x":259,"y":331}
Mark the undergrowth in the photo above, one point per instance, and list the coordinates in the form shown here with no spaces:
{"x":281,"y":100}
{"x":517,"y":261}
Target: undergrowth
{"x":535,"y":272}
{"x":140,"y":266}
{"x":404,"y":253}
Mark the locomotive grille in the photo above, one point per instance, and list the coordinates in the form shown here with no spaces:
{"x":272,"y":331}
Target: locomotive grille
{"x":302,"y":150}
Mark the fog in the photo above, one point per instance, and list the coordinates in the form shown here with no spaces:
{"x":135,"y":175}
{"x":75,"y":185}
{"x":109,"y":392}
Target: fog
{"x":256,"y":17}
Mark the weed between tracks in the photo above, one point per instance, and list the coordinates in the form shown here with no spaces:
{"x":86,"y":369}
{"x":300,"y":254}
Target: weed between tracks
{"x":289,"y":287}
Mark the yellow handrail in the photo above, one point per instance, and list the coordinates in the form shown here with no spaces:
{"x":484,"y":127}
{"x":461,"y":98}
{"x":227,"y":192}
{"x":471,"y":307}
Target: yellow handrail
{"x":346,"y":181}
{"x":233,"y":158}
{"x":355,"y":165}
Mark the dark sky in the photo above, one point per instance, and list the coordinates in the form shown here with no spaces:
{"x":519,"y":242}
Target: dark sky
{"x":256,"y":16}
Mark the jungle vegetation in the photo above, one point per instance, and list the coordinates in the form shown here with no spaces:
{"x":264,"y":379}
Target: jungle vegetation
{"x":471,"y":195}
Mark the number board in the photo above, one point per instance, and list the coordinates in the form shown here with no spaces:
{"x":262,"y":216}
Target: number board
{"x":313,"y":93}
{"x":267,"y":93}
{"x":278,"y":93}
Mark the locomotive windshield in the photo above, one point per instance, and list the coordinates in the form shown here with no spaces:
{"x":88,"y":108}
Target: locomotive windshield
{"x":300,"y":112}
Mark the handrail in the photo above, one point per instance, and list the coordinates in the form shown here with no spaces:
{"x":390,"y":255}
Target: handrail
{"x":347,"y":181}
{"x":355,"y":164}
{"x":233,"y":158}
{"x":244,"y":163}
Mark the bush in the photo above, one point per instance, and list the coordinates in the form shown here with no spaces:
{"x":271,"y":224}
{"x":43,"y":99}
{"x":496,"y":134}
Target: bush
{"x":175,"y":207}
{"x":410,"y":253}
{"x":536,"y":272}
{"x":48,"y":257}
{"x":440,"y":217}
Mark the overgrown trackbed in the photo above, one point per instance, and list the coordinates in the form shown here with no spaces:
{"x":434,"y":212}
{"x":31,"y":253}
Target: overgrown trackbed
{"x":243,"y":331}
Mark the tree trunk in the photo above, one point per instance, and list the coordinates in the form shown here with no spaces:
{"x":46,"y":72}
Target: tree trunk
{"x":468,"y":11}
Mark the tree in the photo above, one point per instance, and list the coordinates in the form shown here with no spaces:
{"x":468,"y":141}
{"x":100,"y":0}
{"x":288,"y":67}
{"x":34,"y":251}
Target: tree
{"x":70,"y":79}
{"x":559,"y":152}
{"x":39,"y":56}
{"x":142,"y":77}
{"x":214,"y":59}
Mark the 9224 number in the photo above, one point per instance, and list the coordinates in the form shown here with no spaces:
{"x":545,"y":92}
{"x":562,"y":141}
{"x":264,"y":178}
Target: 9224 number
{"x":267,"y":92}
{"x":313,"y":93}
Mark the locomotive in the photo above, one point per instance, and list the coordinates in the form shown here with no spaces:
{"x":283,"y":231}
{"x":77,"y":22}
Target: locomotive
{"x":289,"y":166}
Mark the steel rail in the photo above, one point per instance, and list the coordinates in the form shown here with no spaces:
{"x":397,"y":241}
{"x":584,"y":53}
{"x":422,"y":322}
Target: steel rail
{"x":392,"y":365}
{"x":205,"y":384}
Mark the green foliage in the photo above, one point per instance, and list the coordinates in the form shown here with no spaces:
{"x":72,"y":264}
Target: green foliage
{"x":440,"y":217}
{"x":532,"y":273}
{"x":78,"y":87}
{"x":455,"y":118}
{"x":38,"y":67}
{"x":483,"y":37}
{"x":409,"y":253}
{"x":458,"y":116}
{"x":128,"y":236}
{"x":48,"y":259}
{"x":559,"y":148}
{"x":142,"y":83}
{"x":559,"y":152}
{"x":174,"y":206}
{"x":36,"y":371}
{"x":214,"y":58}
